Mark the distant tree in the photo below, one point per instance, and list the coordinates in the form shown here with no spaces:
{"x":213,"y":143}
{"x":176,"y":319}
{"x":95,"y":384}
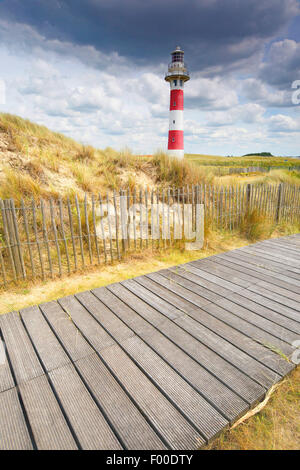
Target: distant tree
{"x":261,"y":154}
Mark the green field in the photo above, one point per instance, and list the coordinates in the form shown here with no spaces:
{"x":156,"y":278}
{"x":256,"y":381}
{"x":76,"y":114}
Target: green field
{"x":215,"y":160}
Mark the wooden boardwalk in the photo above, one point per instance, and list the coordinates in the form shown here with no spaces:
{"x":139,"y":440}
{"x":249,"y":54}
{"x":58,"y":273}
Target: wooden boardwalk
{"x":163,"y":361}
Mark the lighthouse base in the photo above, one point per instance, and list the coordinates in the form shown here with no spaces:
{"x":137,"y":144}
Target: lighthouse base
{"x":176,"y":153}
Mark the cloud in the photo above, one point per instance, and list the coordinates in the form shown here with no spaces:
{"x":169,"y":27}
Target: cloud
{"x":284,"y":123}
{"x":283,"y":64}
{"x":218,"y":32}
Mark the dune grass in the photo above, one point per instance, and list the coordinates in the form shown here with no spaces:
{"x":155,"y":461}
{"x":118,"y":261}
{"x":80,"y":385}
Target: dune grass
{"x":275,"y":427}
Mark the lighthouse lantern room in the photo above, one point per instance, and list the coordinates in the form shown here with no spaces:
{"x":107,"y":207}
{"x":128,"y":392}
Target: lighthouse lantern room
{"x":177,"y":75}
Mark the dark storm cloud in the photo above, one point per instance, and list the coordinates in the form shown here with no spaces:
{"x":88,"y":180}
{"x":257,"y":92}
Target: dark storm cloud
{"x":213,"y":32}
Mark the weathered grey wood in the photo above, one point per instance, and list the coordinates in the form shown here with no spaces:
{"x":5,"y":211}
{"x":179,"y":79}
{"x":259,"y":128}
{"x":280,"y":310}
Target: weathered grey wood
{"x":164,"y":417}
{"x":12,"y":237}
{"x":130,"y":424}
{"x":64,"y":235}
{"x":230,"y":317}
{"x":55,"y":237}
{"x":38,"y":243}
{"x":94,"y":227}
{"x":228,"y":374}
{"x":285,"y":307}
{"x":49,"y":427}
{"x":45,"y":235}
{"x":90,"y":426}
{"x":262,"y":266}
{"x":241,"y":306}
{"x":87,"y":226}
{"x":6,"y":378}
{"x":216,"y":393}
{"x":6,"y":237}
{"x":21,"y":353}
{"x":96,"y":335}
{"x":165,"y":360}
{"x":242,"y":271}
{"x":17,"y":236}
{"x":14,"y":434}
{"x":25,"y":221}
{"x":79,"y":230}
{"x":66,"y":331}
{"x":243,"y":362}
{"x":117,"y":225}
{"x":222,"y":329}
{"x":102,"y":229}
{"x":3,"y":271}
{"x":47,"y":346}
{"x":72,"y":233}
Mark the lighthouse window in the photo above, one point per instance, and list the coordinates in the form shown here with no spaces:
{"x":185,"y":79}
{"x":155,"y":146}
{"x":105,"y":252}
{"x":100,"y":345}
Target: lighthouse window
{"x":181,"y":82}
{"x":175,"y":82}
{"x":173,"y":121}
{"x":174,"y":103}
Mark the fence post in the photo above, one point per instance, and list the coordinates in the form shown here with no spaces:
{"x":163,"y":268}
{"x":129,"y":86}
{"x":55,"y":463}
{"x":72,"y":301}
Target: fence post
{"x":248,"y":197}
{"x":278,"y":202}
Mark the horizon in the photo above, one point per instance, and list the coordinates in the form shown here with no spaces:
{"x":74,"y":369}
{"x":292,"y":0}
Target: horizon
{"x":94,"y":71}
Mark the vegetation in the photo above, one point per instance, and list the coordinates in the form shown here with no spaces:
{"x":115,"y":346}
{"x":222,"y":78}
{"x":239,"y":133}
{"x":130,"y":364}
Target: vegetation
{"x":261,"y":154}
{"x":38,"y":162}
{"x":276,"y":427}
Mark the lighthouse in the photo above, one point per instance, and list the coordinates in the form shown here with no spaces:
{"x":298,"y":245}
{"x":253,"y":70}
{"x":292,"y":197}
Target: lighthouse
{"x":177,"y":75}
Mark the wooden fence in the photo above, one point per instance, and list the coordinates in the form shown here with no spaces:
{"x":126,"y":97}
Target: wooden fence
{"x":48,"y":238}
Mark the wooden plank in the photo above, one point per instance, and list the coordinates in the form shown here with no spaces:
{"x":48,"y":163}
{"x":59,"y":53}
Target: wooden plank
{"x":229,"y":316}
{"x":239,"y":340}
{"x":55,"y":236}
{"x":6,"y":378}
{"x":48,"y":424}
{"x":229,"y":375}
{"x":155,"y":302}
{"x":21,"y":353}
{"x":241,"y":306}
{"x":14,"y":434}
{"x":134,"y":430}
{"x":275,"y":302}
{"x":47,"y":346}
{"x":245,"y":363}
{"x":255,"y":264}
{"x":90,"y":426}
{"x":96,"y":335}
{"x":66,"y":331}
{"x":243,"y":268}
{"x":164,"y":417}
{"x":104,"y":316}
{"x":214,"y":391}
{"x":286,"y":263}
{"x":190,"y":403}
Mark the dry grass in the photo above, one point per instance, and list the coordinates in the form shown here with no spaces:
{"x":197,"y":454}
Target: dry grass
{"x":276,"y":427}
{"x":31,"y":293}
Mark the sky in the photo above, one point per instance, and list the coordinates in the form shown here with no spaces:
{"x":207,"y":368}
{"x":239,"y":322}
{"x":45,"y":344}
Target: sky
{"x":94,"y":70}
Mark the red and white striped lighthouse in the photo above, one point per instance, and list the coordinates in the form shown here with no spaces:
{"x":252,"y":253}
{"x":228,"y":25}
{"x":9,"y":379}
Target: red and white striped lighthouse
{"x":176,"y":76}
